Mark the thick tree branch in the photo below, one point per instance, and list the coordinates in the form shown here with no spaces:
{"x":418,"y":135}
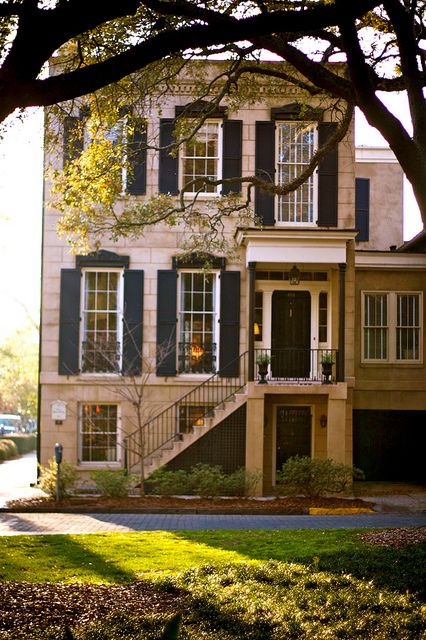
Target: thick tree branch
{"x":409,"y":53}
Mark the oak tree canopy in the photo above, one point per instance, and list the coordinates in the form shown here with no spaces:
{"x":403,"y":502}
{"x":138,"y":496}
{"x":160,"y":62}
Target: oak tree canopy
{"x":106,"y":41}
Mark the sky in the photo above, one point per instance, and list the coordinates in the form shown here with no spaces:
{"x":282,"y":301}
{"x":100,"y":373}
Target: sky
{"x":21,"y":214}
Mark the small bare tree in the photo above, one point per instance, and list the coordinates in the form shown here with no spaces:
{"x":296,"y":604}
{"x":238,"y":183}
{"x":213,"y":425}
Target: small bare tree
{"x":132,"y":388}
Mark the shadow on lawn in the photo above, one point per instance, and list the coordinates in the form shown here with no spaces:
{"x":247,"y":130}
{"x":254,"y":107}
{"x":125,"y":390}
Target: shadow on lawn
{"x":401,"y":570}
{"x":67,"y":552}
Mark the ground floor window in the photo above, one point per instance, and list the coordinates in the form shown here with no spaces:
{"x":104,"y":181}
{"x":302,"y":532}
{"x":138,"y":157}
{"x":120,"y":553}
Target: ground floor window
{"x":98,"y":432}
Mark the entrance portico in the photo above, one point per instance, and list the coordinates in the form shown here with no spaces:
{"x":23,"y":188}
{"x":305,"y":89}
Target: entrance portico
{"x":296,"y":316}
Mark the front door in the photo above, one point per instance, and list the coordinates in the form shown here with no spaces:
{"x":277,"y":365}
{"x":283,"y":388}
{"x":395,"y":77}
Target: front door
{"x":291,"y":334}
{"x":293,"y":433}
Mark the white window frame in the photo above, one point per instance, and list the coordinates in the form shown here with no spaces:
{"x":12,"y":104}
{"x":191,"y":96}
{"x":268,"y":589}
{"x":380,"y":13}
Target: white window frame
{"x":119,"y":331}
{"x":117,"y":132}
{"x":216,"y":313}
{"x":294,"y":196}
{"x":219,"y":158}
{"x":99,"y":463}
{"x":392,"y":328}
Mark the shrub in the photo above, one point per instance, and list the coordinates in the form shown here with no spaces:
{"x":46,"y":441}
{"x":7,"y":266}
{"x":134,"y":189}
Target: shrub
{"x":67,"y":479}
{"x":313,"y":477}
{"x":113,"y":483}
{"x":25,"y":442}
{"x":241,"y":482}
{"x":206,"y":480}
{"x":169,"y":483}
{"x":8,"y":449}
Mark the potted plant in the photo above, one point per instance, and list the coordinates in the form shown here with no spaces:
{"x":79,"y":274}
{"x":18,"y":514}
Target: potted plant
{"x":327,"y":365}
{"x":263,"y":360}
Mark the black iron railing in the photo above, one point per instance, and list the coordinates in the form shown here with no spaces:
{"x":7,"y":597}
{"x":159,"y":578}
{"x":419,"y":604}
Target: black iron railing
{"x":196,"y":358}
{"x":296,"y":364}
{"x":180,"y":417}
{"x":101,"y":356}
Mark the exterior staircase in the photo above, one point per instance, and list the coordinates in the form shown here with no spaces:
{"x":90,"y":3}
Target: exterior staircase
{"x":167,"y":434}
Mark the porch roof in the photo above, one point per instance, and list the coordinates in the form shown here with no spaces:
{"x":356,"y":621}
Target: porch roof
{"x":285,"y":245}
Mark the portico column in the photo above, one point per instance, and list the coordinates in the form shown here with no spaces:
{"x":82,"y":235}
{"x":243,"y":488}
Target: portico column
{"x":341,"y":346}
{"x":336,"y":429}
{"x":251,"y":271}
{"x":255,"y":440}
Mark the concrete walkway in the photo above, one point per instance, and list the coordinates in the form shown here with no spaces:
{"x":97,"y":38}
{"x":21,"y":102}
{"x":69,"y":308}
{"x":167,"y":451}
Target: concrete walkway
{"x":16,"y":477}
{"x":53,"y":523}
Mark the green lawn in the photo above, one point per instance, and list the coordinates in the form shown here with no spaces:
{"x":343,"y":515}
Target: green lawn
{"x":256,"y":585}
{"x":123,"y":557}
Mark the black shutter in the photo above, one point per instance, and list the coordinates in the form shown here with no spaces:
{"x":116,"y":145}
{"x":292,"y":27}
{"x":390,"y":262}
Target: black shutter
{"x":229,"y":324}
{"x":327,"y":178}
{"x":264,"y":202}
{"x":72,"y":139}
{"x":362,"y":208}
{"x":168,"y":165}
{"x":166,"y":322}
{"x":136,"y":182}
{"x":69,"y":322}
{"x":232,"y":154}
{"x":132,"y":323}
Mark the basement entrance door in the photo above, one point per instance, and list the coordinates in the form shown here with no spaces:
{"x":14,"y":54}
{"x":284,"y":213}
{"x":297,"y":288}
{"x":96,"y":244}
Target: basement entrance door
{"x":293,"y":433}
{"x":291,"y":334}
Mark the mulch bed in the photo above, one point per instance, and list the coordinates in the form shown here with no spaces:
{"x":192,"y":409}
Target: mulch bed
{"x":154,"y":504}
{"x":26,"y":607}
{"x":395,"y":538}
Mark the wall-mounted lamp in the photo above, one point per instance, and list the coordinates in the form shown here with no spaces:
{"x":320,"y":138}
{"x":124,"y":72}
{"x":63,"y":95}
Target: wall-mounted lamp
{"x":256,"y":329}
{"x":323,"y":421}
{"x":294,"y":275}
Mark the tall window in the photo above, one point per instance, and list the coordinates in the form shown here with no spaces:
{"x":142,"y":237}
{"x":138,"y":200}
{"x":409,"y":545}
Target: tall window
{"x":258,"y":316}
{"x":98,"y":432}
{"x":392,"y":327}
{"x":197,"y":320}
{"x":407,"y":327}
{"x":375,"y":326}
{"x":323,"y":317}
{"x":101,"y":315}
{"x":202,"y":159}
{"x":296,"y":145}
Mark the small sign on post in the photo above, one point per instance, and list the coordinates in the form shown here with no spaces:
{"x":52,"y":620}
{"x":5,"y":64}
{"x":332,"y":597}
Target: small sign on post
{"x":58,"y":458}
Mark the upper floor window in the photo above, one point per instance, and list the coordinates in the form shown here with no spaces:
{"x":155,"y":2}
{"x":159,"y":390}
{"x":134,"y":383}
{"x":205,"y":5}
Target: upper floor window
{"x":202,"y":159}
{"x":392,"y":323}
{"x":197,"y":322}
{"x":101,"y":345}
{"x":296,"y":143}
{"x":128,"y":139}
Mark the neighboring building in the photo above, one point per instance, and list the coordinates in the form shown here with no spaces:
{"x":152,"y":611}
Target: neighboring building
{"x":323,"y":271}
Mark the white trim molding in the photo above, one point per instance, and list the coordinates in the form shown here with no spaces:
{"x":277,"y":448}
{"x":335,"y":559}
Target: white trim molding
{"x":295,"y":246}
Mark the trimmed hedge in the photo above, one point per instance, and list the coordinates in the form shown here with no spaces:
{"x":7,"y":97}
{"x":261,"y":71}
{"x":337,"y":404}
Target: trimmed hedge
{"x":25,"y":442}
{"x":8,"y":449}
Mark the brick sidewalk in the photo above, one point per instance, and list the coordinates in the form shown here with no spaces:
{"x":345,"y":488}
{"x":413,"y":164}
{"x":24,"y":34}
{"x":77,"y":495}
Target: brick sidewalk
{"x":57,"y":523}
